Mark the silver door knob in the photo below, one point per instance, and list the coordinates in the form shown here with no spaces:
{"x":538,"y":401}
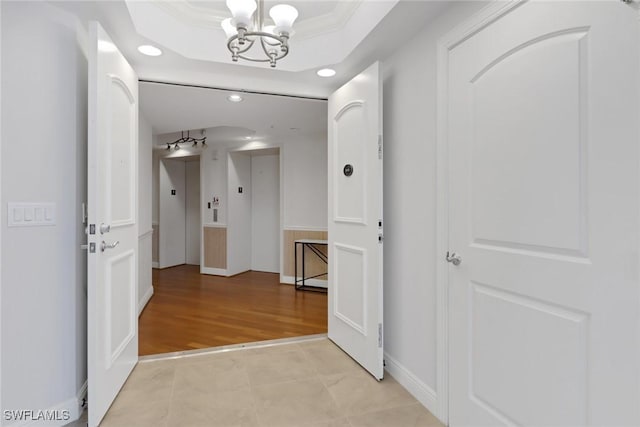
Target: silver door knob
{"x":104,"y":245}
{"x":104,"y":228}
{"x":454,"y":258}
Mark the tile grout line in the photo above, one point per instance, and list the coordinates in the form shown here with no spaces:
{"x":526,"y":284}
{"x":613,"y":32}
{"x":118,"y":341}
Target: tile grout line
{"x":254,"y":401}
{"x":307,"y":355}
{"x":173,"y":386}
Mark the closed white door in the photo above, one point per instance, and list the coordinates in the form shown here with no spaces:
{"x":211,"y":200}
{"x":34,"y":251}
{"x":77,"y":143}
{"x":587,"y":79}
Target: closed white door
{"x":112,"y":308}
{"x":543,"y":141}
{"x":265,"y":213}
{"x":355,"y":219}
{"x":193,"y":222}
{"x":172,"y":220}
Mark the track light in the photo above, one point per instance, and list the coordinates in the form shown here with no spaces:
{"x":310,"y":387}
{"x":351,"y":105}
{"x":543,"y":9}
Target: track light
{"x":168,"y":146}
{"x":186,"y":139}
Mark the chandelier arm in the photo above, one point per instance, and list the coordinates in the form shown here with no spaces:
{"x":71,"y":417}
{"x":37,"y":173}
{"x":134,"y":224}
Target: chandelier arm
{"x":247,"y":58}
{"x":238,"y":50}
{"x":264,"y":47}
{"x":261,"y":34}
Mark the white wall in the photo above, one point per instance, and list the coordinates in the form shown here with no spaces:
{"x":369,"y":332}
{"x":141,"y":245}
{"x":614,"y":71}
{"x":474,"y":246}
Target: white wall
{"x":265,"y":213}
{"x":44,"y":137}
{"x":410,"y":206}
{"x":239,"y":218}
{"x":172,"y":217}
{"x":192,"y":206}
{"x":305,"y":183}
{"x":145,"y":147}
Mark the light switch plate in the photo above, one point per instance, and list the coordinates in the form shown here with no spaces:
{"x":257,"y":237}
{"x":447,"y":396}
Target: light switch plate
{"x":31,"y":214}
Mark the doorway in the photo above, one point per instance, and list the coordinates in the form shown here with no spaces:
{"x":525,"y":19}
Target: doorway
{"x":263,"y":177}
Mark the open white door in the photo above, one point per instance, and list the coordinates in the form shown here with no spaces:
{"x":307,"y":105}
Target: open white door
{"x":113,"y":230}
{"x":544,"y":190}
{"x":355,"y":219}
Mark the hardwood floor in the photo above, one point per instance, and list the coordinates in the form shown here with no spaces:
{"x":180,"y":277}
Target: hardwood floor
{"x":191,"y":311}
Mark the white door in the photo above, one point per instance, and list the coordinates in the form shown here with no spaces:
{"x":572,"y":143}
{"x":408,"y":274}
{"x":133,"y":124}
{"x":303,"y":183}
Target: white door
{"x":355,"y":219}
{"x":173,"y":214}
{"x":193,"y":222}
{"x":543,"y":169}
{"x":113,"y":231}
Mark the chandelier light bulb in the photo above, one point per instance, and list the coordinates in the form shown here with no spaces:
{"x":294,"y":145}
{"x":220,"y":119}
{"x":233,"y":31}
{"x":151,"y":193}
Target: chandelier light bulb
{"x":228,"y":27}
{"x":283,"y":16}
{"x":242,"y":11}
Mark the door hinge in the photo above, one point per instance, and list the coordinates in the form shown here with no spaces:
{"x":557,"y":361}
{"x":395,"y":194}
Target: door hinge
{"x":380,"y":147}
{"x":379,"y":335}
{"x":84,"y":213}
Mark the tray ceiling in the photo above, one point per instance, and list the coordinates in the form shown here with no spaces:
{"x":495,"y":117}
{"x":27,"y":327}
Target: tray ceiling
{"x":192,"y":29}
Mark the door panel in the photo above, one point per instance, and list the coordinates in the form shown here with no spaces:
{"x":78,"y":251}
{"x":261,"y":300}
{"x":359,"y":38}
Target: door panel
{"x":123,"y":110}
{"x":350,"y":290}
{"x":112,"y":334}
{"x":355,"y":219}
{"x":543,"y":172}
{"x":510,"y":148}
{"x":350,"y":148}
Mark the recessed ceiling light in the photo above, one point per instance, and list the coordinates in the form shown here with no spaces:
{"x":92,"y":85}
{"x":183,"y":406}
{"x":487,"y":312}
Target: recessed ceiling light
{"x":149,"y":50}
{"x":105,"y":46}
{"x":234,"y":98}
{"x":326,"y":72}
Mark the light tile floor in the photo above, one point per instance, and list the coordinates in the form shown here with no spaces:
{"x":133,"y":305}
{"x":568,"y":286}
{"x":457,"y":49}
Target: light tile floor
{"x":311,"y":383}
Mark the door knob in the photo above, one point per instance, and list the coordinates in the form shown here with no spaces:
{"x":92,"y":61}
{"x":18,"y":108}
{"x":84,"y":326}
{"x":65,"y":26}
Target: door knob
{"x":104,"y":245}
{"x":454,"y":258}
{"x":104,"y":228}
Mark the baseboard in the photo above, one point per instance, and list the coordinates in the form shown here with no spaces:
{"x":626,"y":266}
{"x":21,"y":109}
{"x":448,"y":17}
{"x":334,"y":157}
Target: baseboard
{"x":155,"y":264}
{"x":289,"y":280}
{"x":422,"y":392}
{"x":81,"y":397}
{"x":213,"y":271}
{"x":62,"y":413}
{"x":145,"y":299}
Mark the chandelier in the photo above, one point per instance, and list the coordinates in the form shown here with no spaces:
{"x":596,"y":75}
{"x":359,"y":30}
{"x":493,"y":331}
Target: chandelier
{"x":246,"y":30}
{"x":187,"y":140}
